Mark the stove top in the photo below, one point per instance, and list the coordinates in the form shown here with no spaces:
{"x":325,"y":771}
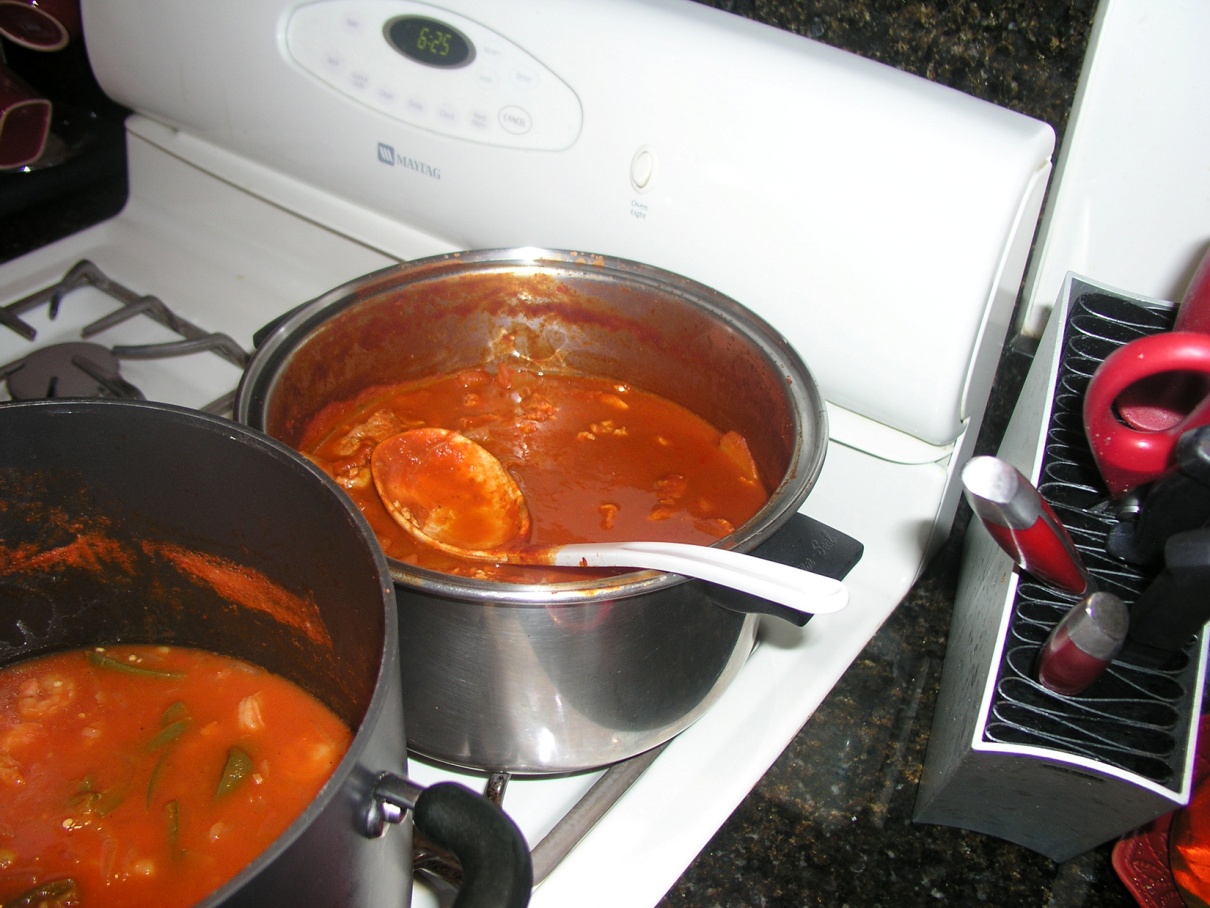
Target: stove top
{"x":880,"y":222}
{"x":89,"y":336}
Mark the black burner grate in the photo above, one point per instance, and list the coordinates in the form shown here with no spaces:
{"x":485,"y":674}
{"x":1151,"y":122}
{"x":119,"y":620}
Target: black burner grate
{"x":83,"y":369}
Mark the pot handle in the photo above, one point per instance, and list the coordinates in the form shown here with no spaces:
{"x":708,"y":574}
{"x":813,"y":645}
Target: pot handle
{"x":497,"y":870}
{"x":259,"y":336}
{"x":801,"y":542}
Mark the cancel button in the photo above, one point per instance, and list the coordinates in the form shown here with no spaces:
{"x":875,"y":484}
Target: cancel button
{"x":516,"y":120}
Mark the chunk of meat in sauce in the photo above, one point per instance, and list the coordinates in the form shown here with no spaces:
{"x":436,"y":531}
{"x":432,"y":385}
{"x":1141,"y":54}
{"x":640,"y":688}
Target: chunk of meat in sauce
{"x":597,"y":460}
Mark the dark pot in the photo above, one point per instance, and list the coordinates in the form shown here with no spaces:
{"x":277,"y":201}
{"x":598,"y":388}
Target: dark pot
{"x":562,"y":676}
{"x":144,"y":481}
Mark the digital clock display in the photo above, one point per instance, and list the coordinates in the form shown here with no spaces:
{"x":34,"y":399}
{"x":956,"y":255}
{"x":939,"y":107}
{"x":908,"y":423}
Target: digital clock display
{"x":429,"y":41}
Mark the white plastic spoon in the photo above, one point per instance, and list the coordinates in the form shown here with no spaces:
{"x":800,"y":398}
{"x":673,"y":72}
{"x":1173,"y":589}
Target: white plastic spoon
{"x":450,"y":493}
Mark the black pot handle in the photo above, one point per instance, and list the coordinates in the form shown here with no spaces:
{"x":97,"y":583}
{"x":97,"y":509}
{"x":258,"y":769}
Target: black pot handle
{"x":801,"y":542}
{"x":497,"y":870}
{"x":263,"y":332}
{"x":356,"y":285}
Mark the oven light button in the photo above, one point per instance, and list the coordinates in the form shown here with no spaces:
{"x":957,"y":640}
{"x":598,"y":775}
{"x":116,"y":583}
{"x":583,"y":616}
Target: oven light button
{"x":642,"y":169}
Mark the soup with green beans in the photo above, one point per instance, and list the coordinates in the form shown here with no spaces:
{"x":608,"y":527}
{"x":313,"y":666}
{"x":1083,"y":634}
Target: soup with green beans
{"x":149,"y":775}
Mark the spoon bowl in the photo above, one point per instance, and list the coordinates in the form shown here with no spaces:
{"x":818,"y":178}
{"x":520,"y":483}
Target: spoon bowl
{"x":451,"y":493}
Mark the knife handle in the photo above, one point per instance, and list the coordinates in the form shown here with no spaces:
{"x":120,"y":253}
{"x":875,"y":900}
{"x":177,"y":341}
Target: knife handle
{"x":1023,"y":524}
{"x":1176,"y":502}
{"x":1082,"y":644}
{"x":1172,"y":610}
{"x":1193,"y":314}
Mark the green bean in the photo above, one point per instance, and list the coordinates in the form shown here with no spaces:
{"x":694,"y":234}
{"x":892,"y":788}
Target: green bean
{"x":155,"y":776}
{"x":173,"y":722}
{"x":168,"y":733}
{"x":177,"y":710}
{"x":237,"y":769}
{"x":101,"y":802}
{"x":100,"y":660}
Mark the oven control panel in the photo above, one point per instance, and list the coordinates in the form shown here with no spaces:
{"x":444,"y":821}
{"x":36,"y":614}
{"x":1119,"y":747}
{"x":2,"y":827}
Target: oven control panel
{"x":436,"y":70}
{"x":879,"y":221}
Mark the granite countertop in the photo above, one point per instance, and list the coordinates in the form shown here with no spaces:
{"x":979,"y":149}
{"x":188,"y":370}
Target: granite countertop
{"x":831,"y":824}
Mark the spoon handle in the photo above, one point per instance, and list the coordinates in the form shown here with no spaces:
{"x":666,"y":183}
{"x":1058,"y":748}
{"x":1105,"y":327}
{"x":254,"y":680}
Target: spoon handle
{"x":793,"y":587}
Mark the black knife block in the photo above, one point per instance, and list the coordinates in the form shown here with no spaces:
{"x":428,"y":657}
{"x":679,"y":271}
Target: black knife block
{"x":1006,"y":756}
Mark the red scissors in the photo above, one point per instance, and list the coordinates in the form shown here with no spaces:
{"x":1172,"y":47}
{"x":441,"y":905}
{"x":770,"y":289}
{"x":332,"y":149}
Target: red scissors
{"x":1129,"y":456}
{"x":1163,"y":400}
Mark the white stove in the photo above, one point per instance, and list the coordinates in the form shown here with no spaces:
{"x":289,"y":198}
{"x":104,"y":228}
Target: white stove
{"x":881,"y":222}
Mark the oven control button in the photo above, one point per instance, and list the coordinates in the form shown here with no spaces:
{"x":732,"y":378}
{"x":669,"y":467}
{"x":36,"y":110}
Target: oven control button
{"x":516,"y":121}
{"x":642,"y":169}
{"x":450,"y":69}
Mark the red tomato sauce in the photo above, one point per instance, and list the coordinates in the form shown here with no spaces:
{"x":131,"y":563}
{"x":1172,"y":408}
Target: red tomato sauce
{"x":596,"y":460}
{"x":150,"y":775}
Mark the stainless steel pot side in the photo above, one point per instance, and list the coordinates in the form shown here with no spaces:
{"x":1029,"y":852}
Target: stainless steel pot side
{"x":558,"y":677}
{"x":139,"y":480}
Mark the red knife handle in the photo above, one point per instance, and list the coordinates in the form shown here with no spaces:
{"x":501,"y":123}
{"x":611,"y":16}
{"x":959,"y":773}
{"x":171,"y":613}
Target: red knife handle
{"x":1040,"y":551}
{"x":1194,"y":311}
{"x":1021,"y":522}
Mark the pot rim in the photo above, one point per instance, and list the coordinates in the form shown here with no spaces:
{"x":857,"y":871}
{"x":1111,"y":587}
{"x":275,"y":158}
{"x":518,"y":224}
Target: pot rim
{"x":282,"y":338}
{"x":388,"y":667}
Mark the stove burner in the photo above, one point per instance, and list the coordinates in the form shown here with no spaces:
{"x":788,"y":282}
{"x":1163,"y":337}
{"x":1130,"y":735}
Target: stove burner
{"x":89,"y":370}
{"x":67,"y":370}
{"x":14,"y":322}
{"x":85,"y":274}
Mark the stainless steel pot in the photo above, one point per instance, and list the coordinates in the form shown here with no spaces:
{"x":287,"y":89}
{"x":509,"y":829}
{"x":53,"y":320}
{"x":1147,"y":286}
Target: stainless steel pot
{"x":132,"y":486}
{"x":564,"y":676}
